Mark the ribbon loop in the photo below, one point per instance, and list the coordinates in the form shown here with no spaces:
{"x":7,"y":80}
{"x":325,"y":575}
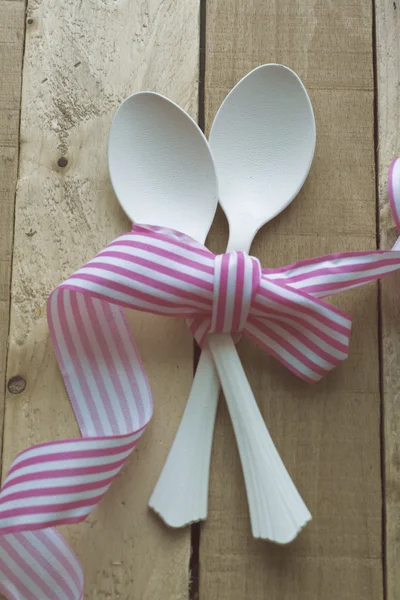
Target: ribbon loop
{"x":237,"y":277}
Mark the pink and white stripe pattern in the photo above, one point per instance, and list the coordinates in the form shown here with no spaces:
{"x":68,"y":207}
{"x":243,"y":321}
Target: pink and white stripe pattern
{"x":39,"y":565}
{"x":164,"y":272}
{"x":237,"y":277}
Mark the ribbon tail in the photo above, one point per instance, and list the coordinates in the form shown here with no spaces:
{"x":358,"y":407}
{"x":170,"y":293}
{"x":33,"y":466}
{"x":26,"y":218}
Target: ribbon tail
{"x":39,"y":565}
{"x":61,"y":482}
{"x":335,"y":273}
{"x":99,"y":361}
{"x":394,"y":190}
{"x":331,"y":274}
{"x":52,"y":484}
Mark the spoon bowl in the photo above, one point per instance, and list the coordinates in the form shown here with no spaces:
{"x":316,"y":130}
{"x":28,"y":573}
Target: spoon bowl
{"x":161,"y":166}
{"x":263,"y":143}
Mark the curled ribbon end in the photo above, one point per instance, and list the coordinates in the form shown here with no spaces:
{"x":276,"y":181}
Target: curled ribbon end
{"x":394,"y":190}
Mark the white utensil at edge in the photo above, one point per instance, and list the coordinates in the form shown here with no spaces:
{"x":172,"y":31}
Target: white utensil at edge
{"x":263,"y":142}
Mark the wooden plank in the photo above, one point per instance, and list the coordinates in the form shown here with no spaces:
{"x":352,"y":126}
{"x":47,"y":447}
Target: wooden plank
{"x":327,"y":434}
{"x":12,"y":25}
{"x":388,"y":87}
{"x":81,"y":60}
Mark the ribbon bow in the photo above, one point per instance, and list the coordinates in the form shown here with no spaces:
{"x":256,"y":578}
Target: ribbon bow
{"x":306,"y":334}
{"x":165,"y":272}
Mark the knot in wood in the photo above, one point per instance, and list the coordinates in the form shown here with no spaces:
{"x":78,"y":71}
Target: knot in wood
{"x":16,"y":384}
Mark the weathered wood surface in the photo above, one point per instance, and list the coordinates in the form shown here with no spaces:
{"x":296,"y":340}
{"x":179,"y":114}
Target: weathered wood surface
{"x":12,"y":27}
{"x":388,"y":147}
{"x":81,"y":60}
{"x":328,"y":434}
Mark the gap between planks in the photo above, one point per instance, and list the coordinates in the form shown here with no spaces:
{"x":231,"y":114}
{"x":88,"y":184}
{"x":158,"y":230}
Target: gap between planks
{"x":387,"y":148}
{"x":12,"y":33}
{"x":194,"y":565}
{"x":379,"y":303}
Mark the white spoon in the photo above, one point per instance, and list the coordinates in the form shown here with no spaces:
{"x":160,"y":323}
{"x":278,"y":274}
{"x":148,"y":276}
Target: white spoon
{"x":263,"y":142}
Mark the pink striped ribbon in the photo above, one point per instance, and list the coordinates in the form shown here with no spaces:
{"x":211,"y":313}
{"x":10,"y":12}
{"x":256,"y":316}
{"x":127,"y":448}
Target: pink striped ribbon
{"x":164,"y":272}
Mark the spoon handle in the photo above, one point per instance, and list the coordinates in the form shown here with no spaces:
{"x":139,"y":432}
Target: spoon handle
{"x":277,"y":510}
{"x":181,"y":493}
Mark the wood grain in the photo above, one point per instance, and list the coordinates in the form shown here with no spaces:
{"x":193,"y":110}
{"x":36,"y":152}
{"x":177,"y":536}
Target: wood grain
{"x":12,"y":26}
{"x":327,"y":434}
{"x":388,"y":80}
{"x":81,"y":60}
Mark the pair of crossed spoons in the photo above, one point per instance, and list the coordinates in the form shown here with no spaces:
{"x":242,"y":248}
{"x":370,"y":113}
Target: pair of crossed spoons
{"x":164,"y":172}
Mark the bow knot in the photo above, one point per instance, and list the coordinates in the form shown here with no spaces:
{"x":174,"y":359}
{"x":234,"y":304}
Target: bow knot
{"x":237,"y":277}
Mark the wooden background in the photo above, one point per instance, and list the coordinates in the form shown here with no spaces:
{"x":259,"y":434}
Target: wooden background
{"x":65,"y":66}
